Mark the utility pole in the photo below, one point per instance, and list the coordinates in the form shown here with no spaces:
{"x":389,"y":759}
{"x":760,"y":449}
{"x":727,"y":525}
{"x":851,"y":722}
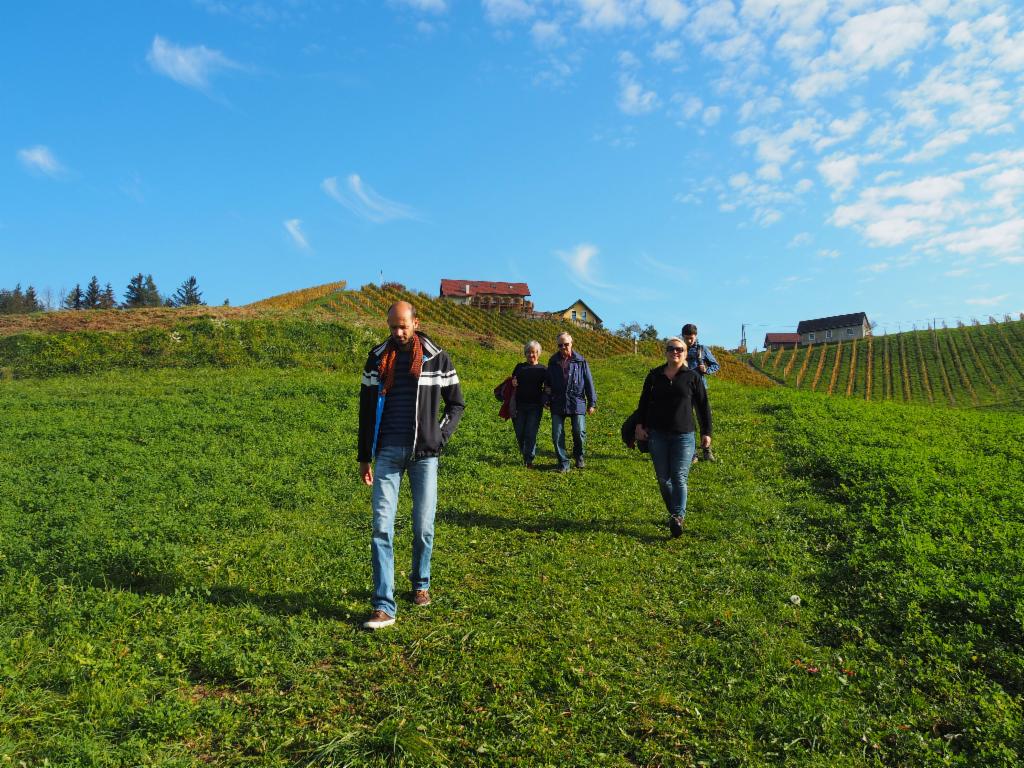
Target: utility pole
{"x":743,"y":337}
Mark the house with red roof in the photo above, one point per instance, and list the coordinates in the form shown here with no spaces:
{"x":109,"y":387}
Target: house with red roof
{"x":775,"y":341}
{"x":487,"y":294}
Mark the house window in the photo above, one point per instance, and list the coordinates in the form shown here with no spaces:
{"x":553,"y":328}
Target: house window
{"x":574,"y":314}
{"x":849,"y":331}
{"x":828,"y":335}
{"x":810,"y":336}
{"x":584,"y":314}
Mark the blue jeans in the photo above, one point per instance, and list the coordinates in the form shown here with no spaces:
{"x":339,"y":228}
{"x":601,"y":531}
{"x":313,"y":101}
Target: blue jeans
{"x":579,"y":436}
{"x":672,"y":453}
{"x":526,"y":423}
{"x":392,"y":461}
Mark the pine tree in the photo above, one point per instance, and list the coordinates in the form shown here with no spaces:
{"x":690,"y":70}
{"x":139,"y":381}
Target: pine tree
{"x":107,"y":298}
{"x":91,"y":300}
{"x":141,"y":292}
{"x":188,"y":294}
{"x":32,"y":302}
{"x":151,"y":293}
{"x":16,"y":302}
{"x":74,"y":299}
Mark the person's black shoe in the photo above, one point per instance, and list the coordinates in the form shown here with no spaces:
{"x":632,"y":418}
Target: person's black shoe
{"x":579,"y":463}
{"x":708,"y":455}
{"x":675,"y":524}
{"x":562,"y":470}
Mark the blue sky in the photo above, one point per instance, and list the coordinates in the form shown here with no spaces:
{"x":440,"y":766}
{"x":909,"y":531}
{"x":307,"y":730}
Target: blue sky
{"x":758,"y":161}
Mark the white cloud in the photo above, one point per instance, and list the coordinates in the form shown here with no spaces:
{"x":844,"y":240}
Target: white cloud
{"x":877,"y":268}
{"x":875,"y":40}
{"x":689,"y":106}
{"x":938,"y":146}
{"x":667,"y":50}
{"x":827,"y":253}
{"x":669,"y":13}
{"x":988,"y":301}
{"x":1006,"y":237}
{"x":192,"y":67}
{"x":711,"y":116}
{"x":839,"y":171}
{"x":628,"y":60}
{"x":713,"y":19}
{"x":817,"y":83}
{"x":633,"y":98}
{"x":504,"y":11}
{"x":40,"y":159}
{"x":803,"y":186}
{"x":431,"y":6}
{"x":801,"y":239}
{"x":294,"y":227}
{"x":364,"y":202}
{"x":547,"y":34}
{"x":1007,"y":186}
{"x":580,"y":261}
{"x":603,"y":14}
{"x":842,"y":130}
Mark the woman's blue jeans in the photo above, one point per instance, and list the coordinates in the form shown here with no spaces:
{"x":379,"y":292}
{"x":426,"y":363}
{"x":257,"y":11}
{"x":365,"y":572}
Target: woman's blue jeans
{"x":672,"y":453}
{"x":526,"y":423}
{"x":392,"y":461}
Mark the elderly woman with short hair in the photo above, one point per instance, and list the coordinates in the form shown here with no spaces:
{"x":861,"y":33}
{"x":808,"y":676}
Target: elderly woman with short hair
{"x":528,"y":379}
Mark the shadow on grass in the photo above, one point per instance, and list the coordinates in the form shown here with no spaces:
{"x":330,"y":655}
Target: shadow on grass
{"x":289,"y":603}
{"x":584,"y":524}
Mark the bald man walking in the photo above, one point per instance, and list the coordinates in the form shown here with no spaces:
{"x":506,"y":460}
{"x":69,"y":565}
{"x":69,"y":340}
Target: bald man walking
{"x":405,"y":380}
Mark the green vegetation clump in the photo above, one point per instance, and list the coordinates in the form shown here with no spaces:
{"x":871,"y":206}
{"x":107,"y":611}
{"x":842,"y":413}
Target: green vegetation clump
{"x":279,"y":342}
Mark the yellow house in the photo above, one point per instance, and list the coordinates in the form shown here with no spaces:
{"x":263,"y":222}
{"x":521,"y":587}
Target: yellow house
{"x":580,"y":314}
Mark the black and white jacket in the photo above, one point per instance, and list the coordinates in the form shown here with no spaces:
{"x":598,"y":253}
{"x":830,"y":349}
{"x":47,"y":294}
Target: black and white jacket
{"x":438,"y":381}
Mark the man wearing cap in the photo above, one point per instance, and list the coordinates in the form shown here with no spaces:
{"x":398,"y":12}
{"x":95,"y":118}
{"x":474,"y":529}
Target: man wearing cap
{"x":405,"y":381}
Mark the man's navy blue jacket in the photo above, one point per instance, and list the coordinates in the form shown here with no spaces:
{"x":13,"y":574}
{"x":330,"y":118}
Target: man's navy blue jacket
{"x":572,"y":394}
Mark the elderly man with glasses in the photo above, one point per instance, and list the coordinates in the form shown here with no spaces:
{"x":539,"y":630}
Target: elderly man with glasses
{"x":571,"y":394}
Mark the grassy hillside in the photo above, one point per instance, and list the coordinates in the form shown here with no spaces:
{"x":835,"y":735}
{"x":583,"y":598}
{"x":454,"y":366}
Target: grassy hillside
{"x":971,"y":366}
{"x":315,"y":327}
{"x":184,"y":565}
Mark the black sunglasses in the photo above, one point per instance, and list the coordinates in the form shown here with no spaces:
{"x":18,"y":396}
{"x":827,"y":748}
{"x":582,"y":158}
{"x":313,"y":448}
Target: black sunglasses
{"x":566,"y":345}
{"x":680,"y":350}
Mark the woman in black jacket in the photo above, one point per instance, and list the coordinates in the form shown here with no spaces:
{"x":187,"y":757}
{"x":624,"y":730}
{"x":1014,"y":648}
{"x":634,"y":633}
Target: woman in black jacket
{"x":528,"y":379}
{"x":671,"y":392}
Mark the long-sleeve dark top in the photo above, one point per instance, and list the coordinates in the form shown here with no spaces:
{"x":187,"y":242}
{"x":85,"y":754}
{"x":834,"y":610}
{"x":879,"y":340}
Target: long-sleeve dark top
{"x":532,"y":379}
{"x":668,"y":404}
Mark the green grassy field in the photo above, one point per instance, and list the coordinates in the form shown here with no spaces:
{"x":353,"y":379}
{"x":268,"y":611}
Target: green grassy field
{"x":184,"y":564}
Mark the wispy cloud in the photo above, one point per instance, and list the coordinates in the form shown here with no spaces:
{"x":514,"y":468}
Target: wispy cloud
{"x":363,"y":201}
{"x":633,"y":98}
{"x":581,"y":261}
{"x":294,"y":227}
{"x":988,"y":301}
{"x":670,"y":270}
{"x":504,"y":11}
{"x":192,"y":67}
{"x":41,"y":159}
{"x":431,"y":6}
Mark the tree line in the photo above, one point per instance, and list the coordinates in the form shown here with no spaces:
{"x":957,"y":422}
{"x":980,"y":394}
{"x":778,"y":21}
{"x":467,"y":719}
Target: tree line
{"x":141,"y":292}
